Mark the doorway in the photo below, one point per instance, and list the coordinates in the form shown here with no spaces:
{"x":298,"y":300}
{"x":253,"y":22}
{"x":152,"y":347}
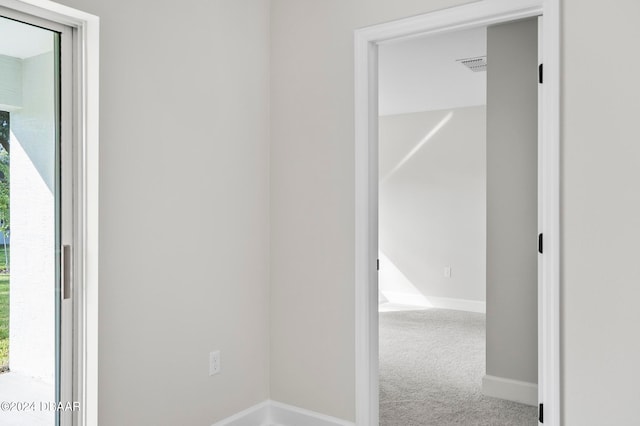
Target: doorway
{"x":367,"y":40}
{"x":457,"y":209}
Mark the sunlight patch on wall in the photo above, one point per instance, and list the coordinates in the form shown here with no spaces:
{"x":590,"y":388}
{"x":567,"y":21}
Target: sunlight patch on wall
{"x":416,"y":148}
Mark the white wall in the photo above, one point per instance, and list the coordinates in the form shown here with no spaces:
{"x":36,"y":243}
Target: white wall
{"x":184,"y":149}
{"x":10,"y":83}
{"x":312,"y":203}
{"x":418,"y":74}
{"x":32,"y":301}
{"x":433,"y":205}
{"x":600,"y":213}
{"x":512,"y":201}
{"x":216,"y":191}
{"x":312,"y":196}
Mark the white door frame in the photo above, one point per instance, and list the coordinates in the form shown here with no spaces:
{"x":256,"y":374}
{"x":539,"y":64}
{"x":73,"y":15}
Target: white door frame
{"x":84,"y":171}
{"x":476,"y":14}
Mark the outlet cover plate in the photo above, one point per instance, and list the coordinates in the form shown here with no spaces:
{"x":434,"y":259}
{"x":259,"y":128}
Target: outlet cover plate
{"x":214,"y":362}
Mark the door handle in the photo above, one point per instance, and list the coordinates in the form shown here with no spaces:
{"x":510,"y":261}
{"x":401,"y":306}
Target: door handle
{"x":67,"y":271}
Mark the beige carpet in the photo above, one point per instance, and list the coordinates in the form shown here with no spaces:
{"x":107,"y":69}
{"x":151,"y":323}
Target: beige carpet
{"x":431,"y":367}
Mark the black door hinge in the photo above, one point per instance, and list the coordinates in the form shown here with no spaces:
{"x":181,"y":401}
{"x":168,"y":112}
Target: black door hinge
{"x":377,"y":264}
{"x":540,"y":74}
{"x":540,"y":243}
{"x":541,"y":413}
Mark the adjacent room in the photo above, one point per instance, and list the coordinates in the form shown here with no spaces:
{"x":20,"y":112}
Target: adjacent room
{"x":450,"y":215}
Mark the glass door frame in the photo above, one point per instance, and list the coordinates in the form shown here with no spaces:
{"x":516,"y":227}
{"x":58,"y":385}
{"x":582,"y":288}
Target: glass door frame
{"x":63,"y":205}
{"x":79,"y":159}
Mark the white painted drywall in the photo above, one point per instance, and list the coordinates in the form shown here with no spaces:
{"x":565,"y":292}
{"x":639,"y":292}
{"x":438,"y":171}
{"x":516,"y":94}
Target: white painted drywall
{"x":23,"y":41}
{"x":409,"y":69}
{"x":184,"y":150}
{"x":217,"y":193}
{"x":10,"y":83}
{"x":600,"y":213}
{"x":32,"y":288}
{"x":312,"y":196}
{"x":432,"y":205}
{"x":312,"y":203}
{"x":512,"y":201}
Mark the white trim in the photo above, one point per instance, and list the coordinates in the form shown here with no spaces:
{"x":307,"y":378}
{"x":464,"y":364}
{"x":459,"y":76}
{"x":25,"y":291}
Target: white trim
{"x":274,"y":413}
{"x":541,"y":360}
{"x":85,"y":128}
{"x":67,"y":216}
{"x":459,"y":304}
{"x":366,"y":229}
{"x":258,"y":415}
{"x":288,"y":415}
{"x":472,"y":15}
{"x":366,"y":40}
{"x":512,"y":390}
{"x":407,"y":299}
{"x":426,"y":302}
{"x":549,"y":349}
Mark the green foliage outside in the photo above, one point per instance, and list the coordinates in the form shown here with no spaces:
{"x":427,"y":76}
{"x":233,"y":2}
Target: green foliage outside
{"x":4,"y":193}
{"x":5,"y":129}
{"x":4,"y":321}
{"x":4,"y":179}
{"x":4,"y":251}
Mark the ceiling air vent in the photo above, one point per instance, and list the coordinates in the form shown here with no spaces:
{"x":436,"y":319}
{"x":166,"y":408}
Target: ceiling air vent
{"x":477,"y":64}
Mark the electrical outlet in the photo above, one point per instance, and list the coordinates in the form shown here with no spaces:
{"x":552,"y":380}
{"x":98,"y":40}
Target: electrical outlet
{"x":214,"y":362}
{"x":447,"y":271}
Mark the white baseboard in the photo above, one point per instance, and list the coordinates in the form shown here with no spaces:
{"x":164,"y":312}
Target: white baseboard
{"x":459,"y":304}
{"x":258,"y":415}
{"x":411,"y":299}
{"x":273,"y":413}
{"x":288,"y":415}
{"x":512,"y":390}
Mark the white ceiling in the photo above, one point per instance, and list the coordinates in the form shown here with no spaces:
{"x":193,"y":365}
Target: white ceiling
{"x":424,"y":74}
{"x":21,"y":40}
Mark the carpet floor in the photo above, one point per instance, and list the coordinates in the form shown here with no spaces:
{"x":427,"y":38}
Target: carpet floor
{"x":431,"y":367}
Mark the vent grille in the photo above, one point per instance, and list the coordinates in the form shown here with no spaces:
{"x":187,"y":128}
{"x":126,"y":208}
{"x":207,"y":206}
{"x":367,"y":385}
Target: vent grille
{"x":477,"y":64}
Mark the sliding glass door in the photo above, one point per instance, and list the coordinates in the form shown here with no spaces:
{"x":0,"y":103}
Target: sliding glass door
{"x":35,"y":273}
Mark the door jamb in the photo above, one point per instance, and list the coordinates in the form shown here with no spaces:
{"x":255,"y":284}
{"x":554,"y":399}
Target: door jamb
{"x":366,"y":40}
{"x":85,"y":28}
